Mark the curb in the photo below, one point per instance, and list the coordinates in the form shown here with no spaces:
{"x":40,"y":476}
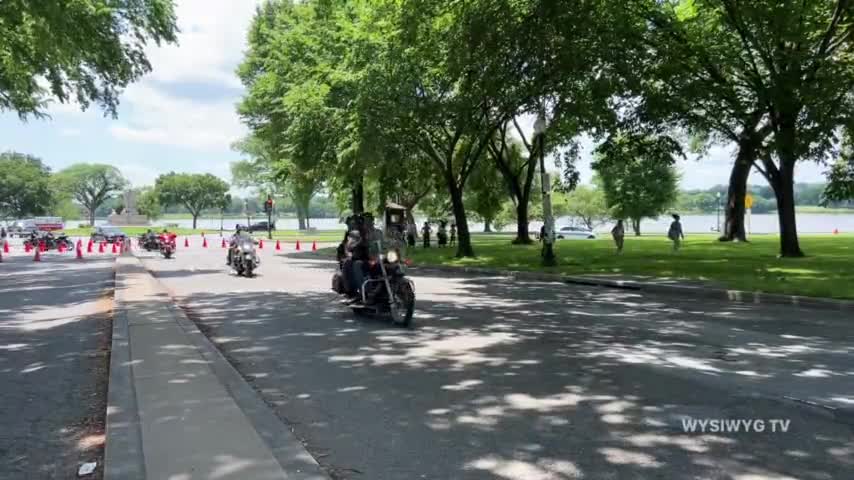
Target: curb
{"x":740,"y":296}
{"x":124,"y":457}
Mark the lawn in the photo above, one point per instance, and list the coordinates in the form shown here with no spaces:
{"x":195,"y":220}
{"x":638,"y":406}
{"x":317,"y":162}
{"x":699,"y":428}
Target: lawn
{"x":826,"y":271}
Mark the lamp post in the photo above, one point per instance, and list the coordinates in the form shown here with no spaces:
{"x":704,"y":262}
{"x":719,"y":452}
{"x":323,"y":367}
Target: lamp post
{"x":719,"y":212}
{"x":548,"y":253}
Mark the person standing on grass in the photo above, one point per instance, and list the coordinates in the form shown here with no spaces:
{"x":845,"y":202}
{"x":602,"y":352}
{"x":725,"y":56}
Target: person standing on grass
{"x":675,"y":233}
{"x":425,"y":232}
{"x":619,"y":234}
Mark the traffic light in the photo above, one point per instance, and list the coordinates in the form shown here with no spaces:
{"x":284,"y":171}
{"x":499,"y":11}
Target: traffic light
{"x":268,"y":205}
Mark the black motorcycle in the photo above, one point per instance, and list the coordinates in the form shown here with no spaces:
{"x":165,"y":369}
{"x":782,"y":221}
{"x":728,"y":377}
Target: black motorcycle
{"x":149,"y":243}
{"x":386,"y":291}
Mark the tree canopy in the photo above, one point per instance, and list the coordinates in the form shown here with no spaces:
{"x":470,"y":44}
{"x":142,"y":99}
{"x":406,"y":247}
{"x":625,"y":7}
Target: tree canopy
{"x":84,"y":51}
{"x":25,"y":187}
{"x":90,"y":185}
{"x":196,"y":192}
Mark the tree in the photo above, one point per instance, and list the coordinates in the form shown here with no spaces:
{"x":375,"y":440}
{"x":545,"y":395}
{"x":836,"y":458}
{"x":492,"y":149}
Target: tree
{"x":85,"y":51}
{"x":90,"y":185}
{"x":148,"y":203}
{"x":25,"y":188}
{"x":196,"y":192}
{"x":638,"y":176}
{"x":585,"y":203}
{"x":487,"y":194}
{"x":775,"y":76}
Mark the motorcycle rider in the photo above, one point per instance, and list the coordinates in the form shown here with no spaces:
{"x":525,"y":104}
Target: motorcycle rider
{"x":366,"y":253}
{"x":234,"y":242}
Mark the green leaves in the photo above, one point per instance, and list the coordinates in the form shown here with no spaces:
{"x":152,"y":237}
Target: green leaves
{"x":25,"y":188}
{"x":84,"y":51}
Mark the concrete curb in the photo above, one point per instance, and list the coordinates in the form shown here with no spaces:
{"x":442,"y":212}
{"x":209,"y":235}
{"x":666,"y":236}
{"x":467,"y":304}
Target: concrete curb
{"x":678,"y":290}
{"x":288,"y":450}
{"x":124,"y":456}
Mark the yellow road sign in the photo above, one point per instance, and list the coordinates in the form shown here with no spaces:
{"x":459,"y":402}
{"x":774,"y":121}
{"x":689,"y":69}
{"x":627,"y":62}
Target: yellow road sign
{"x":748,"y":201}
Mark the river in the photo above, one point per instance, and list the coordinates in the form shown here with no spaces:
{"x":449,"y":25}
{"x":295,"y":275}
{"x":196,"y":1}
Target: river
{"x":762,"y":223}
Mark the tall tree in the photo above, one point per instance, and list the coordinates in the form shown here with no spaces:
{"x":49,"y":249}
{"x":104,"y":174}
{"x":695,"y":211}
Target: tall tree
{"x":86,"y":51}
{"x":840,"y":186}
{"x":25,"y":187}
{"x":195,"y":192}
{"x":638,"y":176}
{"x":487,"y":194}
{"x":90,"y":185}
{"x":585,"y":203}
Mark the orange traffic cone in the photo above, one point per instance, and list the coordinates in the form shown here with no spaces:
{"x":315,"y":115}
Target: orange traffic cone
{"x":27,"y":247}
{"x":61,"y":247}
{"x":5,"y":247}
{"x":38,"y":257}
{"x":261,"y":244}
{"x":186,"y":242}
{"x":278,"y":246}
{"x":89,"y":246}
{"x":79,"y":251}
{"x":42,"y":247}
{"x":204,"y":242}
{"x":115,"y":250}
{"x":298,"y":247}
{"x":101,"y":247}
{"x":314,"y":246}
{"x":223,"y":243}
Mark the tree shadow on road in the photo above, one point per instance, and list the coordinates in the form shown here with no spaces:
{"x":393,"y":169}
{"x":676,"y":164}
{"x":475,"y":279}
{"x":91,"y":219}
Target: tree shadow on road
{"x":528,"y":380}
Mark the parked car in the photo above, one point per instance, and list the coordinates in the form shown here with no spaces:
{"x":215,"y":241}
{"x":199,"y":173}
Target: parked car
{"x":108,"y":234}
{"x":260,"y":227}
{"x":575,"y":233}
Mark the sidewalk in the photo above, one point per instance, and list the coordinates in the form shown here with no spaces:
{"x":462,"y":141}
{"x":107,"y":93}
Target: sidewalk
{"x":176,"y":409}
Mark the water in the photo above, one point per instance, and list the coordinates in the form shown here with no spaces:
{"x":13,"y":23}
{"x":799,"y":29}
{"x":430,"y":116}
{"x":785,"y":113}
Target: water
{"x":764,"y":223}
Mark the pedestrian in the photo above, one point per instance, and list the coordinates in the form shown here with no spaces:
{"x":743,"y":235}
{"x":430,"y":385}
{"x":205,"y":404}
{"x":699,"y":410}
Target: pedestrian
{"x":453,"y":234}
{"x":675,"y":233}
{"x":425,"y":232}
{"x":619,"y":234}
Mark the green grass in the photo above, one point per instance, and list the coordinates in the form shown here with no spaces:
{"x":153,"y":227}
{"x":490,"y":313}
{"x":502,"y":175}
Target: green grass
{"x":817,"y":209}
{"x":827,"y":271}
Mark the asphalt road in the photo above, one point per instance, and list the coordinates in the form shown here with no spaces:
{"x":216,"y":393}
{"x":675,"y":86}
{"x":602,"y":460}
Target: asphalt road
{"x":54,"y":333}
{"x":529,"y":380}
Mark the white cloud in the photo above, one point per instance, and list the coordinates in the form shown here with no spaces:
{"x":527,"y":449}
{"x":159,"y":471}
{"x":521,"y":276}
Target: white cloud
{"x":69,"y":132}
{"x":211,"y":43}
{"x":154,"y":116}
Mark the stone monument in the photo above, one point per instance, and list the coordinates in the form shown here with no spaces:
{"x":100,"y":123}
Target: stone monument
{"x":129,"y":215}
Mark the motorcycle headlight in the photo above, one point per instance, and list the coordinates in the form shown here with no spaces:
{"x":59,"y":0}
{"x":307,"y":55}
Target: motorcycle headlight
{"x":392,"y":256}
{"x":246,"y":246}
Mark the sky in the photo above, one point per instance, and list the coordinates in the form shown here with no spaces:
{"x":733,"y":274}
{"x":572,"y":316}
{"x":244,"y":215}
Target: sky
{"x":181,"y":116}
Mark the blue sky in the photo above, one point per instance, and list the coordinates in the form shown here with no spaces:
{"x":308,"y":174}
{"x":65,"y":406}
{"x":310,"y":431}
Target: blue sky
{"x":182,"y":116}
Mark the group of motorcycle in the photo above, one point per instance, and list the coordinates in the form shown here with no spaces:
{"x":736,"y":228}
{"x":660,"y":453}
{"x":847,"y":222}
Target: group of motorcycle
{"x":48,"y":240}
{"x":164,"y":243}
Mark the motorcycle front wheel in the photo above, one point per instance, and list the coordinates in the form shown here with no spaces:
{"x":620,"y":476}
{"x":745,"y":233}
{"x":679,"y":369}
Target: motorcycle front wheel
{"x":404,"y":297}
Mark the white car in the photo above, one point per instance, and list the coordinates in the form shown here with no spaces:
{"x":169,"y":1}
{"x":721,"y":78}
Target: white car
{"x":574,"y":233}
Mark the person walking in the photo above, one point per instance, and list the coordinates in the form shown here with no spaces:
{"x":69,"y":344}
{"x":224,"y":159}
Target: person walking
{"x":675,"y":233}
{"x":619,"y":234}
{"x":425,"y":232}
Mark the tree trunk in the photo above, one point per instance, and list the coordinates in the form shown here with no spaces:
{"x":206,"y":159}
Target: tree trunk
{"x":358,"y":196}
{"x":784,"y":190}
{"x":523,"y":236}
{"x":734,"y":209}
{"x":487,"y":228}
{"x":195,"y":217}
{"x":301,"y":218}
{"x":464,"y":247}
{"x":636,"y":226}
{"x":91,"y":217}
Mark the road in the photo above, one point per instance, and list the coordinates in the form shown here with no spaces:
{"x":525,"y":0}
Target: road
{"x":54,"y":334}
{"x":528,"y":380}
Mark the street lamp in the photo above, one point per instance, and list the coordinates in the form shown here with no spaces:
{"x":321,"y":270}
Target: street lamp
{"x":719,"y":211}
{"x":548,"y":252}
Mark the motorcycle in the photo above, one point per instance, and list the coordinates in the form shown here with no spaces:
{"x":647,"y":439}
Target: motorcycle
{"x":150,"y":244}
{"x":244,"y":260}
{"x":386,"y":291}
{"x":167,"y":247}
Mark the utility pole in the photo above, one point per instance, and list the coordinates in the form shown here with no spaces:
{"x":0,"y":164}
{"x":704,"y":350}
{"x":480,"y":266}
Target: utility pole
{"x":268,"y":207}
